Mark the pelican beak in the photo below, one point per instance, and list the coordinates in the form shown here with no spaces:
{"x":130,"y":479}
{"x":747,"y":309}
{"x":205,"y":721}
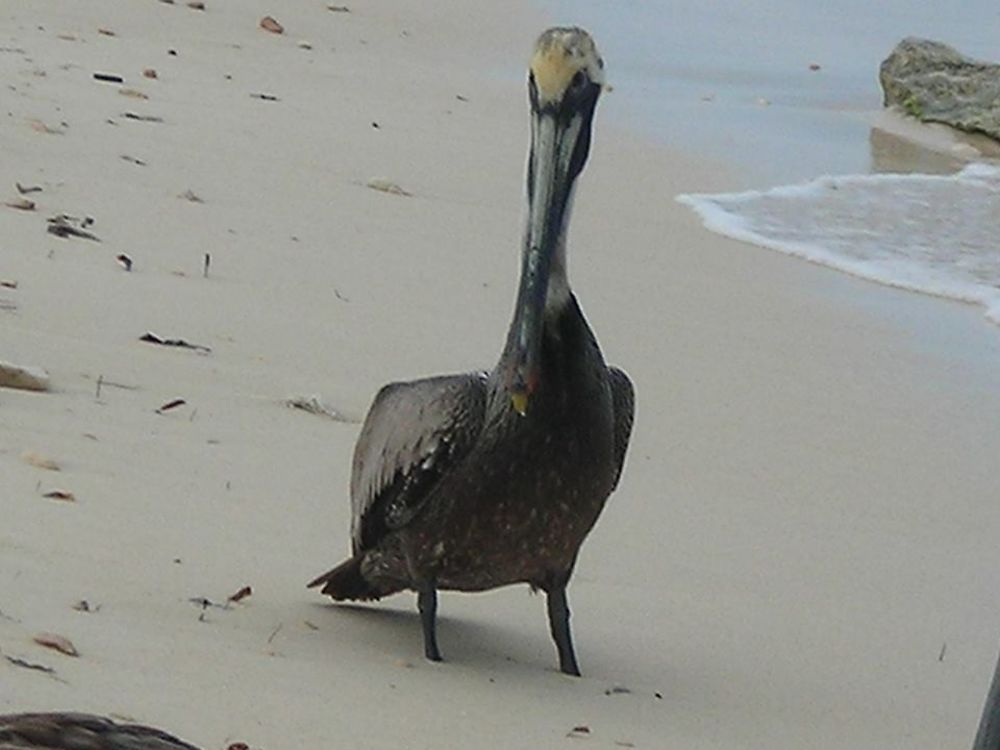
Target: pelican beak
{"x":560,"y":142}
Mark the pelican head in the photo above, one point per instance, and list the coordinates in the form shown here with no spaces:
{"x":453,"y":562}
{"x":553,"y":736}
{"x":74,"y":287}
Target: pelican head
{"x":564,"y":82}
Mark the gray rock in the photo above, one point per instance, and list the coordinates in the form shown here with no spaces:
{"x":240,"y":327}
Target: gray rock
{"x":935,"y":83}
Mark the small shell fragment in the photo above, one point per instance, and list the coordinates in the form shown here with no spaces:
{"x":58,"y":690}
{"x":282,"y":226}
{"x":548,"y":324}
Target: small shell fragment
{"x":387,"y":186}
{"x":39,"y":461}
{"x":269,"y":23}
{"x":57,"y":642}
{"x":23,"y":377}
{"x":314,"y":405}
{"x":190,"y":195}
{"x":40,"y":127}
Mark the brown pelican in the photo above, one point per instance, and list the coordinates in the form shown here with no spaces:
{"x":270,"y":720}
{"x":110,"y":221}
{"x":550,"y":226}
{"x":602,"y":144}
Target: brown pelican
{"x":72,"y":731}
{"x":469,"y":482}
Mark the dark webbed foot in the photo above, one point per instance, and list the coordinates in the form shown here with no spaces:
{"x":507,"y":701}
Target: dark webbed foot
{"x":427,"y":604}
{"x":559,"y":626}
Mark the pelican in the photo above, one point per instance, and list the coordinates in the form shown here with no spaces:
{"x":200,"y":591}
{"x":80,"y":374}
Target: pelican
{"x":473,"y":481}
{"x":72,"y":731}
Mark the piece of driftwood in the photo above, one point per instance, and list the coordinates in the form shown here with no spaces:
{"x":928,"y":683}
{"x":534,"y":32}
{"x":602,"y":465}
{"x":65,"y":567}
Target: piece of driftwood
{"x":57,"y":494}
{"x":151,"y":338}
{"x":21,"y":204}
{"x":171,"y":405}
{"x":65,"y":226}
{"x":243,"y":593}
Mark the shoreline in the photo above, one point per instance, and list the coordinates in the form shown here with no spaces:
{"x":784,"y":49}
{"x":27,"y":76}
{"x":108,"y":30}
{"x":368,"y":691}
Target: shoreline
{"x":805,"y":514}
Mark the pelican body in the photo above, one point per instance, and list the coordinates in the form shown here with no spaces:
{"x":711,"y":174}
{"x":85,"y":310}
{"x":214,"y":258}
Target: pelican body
{"x":73,"y":731}
{"x":473,"y":481}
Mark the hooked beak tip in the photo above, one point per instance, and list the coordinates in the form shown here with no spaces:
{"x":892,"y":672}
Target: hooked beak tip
{"x":519,"y":400}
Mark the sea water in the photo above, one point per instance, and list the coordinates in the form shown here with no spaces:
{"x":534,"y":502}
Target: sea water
{"x":938,"y":234}
{"x":787,"y":92}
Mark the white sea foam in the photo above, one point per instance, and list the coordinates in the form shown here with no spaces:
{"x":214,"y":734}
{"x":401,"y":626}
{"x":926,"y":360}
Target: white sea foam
{"x":928,"y":233}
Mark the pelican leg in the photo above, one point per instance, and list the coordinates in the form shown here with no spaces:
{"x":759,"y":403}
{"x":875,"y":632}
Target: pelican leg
{"x":559,"y":626}
{"x":427,"y":603}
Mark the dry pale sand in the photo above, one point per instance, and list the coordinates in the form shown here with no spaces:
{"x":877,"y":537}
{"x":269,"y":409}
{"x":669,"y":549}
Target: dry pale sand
{"x":802,"y":553}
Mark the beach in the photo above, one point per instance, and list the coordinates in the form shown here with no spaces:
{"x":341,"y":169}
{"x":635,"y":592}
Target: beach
{"x":801,"y":552}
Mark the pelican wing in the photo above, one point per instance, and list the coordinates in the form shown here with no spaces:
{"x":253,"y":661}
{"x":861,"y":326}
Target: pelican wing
{"x":413,"y":433}
{"x":623,"y":402}
{"x":72,"y":731}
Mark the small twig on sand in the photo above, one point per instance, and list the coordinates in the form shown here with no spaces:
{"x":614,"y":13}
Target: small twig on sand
{"x":141,"y":118}
{"x":171,"y":405}
{"x":24,"y":664}
{"x":242,"y":594}
{"x":274,"y":633}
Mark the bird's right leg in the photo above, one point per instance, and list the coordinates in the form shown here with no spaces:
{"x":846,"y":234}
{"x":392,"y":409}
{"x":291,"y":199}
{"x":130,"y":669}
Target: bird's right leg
{"x":427,"y":604}
{"x":558,"y":609}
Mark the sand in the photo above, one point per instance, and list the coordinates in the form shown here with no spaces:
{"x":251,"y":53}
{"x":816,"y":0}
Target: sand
{"x":802,"y":550}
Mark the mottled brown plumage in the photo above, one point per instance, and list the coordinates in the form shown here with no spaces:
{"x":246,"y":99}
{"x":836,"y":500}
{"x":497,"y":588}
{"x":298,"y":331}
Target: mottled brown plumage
{"x":474,"y":481}
{"x":73,"y":731}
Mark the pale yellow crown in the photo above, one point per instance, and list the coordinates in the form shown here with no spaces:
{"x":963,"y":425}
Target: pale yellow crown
{"x":560,"y":54}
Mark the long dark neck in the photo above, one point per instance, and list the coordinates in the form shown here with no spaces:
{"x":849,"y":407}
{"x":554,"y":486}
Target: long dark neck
{"x":560,"y":139}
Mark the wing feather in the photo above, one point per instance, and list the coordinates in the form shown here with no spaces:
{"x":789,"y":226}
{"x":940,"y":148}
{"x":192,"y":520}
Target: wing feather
{"x":413,"y":433}
{"x":623,"y":402}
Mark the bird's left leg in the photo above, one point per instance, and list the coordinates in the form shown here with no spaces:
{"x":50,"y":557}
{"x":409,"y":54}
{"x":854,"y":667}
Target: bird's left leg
{"x":427,"y":604}
{"x":559,"y":626}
